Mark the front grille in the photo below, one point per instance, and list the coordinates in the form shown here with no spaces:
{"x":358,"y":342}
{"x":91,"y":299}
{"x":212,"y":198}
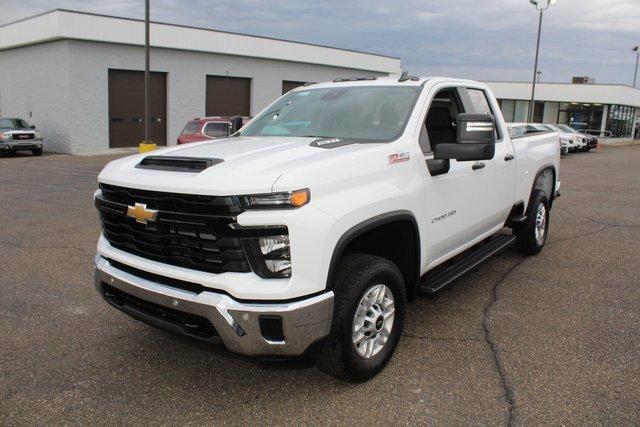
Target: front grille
{"x":191,"y":324}
{"x":189,"y":231}
{"x":22,"y":136}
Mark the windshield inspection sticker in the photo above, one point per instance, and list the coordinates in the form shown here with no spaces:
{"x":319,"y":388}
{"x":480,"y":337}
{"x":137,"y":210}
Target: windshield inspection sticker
{"x":398,"y":157}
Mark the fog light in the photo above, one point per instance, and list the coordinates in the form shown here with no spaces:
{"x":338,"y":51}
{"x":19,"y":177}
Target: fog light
{"x":279,"y":267}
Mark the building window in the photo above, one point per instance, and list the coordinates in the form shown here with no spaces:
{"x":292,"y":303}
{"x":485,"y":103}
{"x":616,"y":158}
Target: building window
{"x":538,"y":110}
{"x":521,"y":111}
{"x":581,"y":117}
{"x":620,"y":121}
{"x":508,"y":107}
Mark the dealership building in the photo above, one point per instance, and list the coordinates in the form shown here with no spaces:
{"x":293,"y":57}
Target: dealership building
{"x":79,"y":77}
{"x":611,"y":111}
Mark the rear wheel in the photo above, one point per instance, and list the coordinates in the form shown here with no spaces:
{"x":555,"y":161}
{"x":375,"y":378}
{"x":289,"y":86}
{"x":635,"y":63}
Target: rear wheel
{"x":368,"y":318}
{"x":532,"y":234}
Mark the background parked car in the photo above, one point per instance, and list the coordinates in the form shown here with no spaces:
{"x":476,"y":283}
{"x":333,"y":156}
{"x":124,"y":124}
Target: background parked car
{"x":574,"y":142}
{"x":205,"y":128}
{"x":17,"y":135}
{"x":519,"y":129}
{"x":589,"y":141}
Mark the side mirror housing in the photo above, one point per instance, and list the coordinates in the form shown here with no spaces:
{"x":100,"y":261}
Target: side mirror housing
{"x":32,"y":126}
{"x":236,"y":124}
{"x":476,"y":129}
{"x":475,"y":140}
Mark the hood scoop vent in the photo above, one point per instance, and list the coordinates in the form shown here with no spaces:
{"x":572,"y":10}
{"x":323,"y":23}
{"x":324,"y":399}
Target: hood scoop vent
{"x":177,"y":164}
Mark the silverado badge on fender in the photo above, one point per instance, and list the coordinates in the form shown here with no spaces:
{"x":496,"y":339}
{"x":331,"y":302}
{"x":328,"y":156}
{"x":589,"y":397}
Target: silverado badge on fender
{"x":141,"y":213}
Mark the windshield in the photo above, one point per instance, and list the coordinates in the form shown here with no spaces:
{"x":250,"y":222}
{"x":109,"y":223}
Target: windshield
{"x":567,"y":129}
{"x":367,"y":113}
{"x":13,"y":124}
{"x":191,"y":128}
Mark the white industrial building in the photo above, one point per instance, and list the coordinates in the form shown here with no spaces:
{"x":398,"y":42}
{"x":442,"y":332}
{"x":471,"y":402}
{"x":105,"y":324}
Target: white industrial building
{"x":78,"y":76}
{"x":608,"y":110}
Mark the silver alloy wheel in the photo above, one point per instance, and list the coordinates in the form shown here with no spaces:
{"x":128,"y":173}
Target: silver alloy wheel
{"x":373,"y":321}
{"x":541,"y":224}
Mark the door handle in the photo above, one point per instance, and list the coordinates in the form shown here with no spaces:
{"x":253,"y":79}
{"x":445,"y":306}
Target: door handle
{"x":508,"y":157}
{"x":478,"y":165}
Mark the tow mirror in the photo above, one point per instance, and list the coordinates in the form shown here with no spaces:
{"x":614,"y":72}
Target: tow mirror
{"x":476,"y":129}
{"x":236,"y":124}
{"x":475,"y":140}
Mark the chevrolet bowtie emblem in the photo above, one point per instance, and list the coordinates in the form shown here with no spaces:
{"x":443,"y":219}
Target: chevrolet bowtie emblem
{"x":141,"y":213}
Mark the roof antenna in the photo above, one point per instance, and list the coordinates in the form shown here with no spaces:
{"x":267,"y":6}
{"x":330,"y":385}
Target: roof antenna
{"x":404,"y":77}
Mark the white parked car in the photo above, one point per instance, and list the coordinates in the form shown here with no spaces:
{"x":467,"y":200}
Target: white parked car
{"x":587,"y":141}
{"x":574,"y":141}
{"x":518,"y":129}
{"x":309,"y":229}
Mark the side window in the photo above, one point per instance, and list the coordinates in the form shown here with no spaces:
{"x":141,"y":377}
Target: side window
{"x":216,"y":130}
{"x":440,"y":124}
{"x":480,"y":104}
{"x":479,"y":101}
{"x":533,"y":129}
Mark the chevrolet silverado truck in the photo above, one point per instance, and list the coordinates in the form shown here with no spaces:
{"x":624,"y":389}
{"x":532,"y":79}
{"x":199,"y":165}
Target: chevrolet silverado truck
{"x":306,"y":232}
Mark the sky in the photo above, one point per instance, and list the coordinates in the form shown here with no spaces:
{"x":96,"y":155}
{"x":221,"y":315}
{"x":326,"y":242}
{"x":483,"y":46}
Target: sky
{"x":476,"y":39}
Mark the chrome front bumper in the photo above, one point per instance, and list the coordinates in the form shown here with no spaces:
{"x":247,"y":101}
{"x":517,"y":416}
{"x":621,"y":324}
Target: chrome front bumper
{"x":237,"y":323}
{"x":20,"y":146}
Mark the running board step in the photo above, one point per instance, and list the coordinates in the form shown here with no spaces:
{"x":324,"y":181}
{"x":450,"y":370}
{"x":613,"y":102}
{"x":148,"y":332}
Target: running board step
{"x":430,"y":285}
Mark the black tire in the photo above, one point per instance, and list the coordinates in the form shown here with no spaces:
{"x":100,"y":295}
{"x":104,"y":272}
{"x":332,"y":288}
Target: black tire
{"x":356,"y":275}
{"x":37,"y":152}
{"x":526,"y":241}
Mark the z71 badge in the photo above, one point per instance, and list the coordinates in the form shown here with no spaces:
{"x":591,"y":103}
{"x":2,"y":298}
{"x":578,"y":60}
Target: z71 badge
{"x":398,"y":157}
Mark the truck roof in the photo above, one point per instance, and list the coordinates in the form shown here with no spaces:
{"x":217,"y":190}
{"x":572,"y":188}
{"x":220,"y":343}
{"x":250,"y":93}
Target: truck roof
{"x":382,"y":81}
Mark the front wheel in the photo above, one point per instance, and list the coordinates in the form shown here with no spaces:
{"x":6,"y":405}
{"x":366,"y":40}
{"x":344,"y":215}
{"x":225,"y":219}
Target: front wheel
{"x":37,"y":151}
{"x":532,"y":235}
{"x":368,"y":318}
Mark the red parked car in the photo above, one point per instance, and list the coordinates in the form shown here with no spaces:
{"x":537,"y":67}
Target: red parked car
{"x":205,"y":128}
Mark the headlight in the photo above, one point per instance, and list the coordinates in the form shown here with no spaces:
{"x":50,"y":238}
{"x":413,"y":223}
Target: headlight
{"x":5,"y":135}
{"x":565,"y":140}
{"x":38,"y":135}
{"x":270,"y":256}
{"x":288,"y":199}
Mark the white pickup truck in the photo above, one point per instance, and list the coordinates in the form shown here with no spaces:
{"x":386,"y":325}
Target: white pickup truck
{"x":306,"y":232}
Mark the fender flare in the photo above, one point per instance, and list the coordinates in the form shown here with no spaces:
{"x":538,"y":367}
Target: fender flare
{"x":551,"y":196}
{"x":367,"y":225}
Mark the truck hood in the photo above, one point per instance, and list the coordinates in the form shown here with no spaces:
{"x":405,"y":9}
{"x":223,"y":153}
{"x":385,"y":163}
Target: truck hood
{"x":250,"y":165}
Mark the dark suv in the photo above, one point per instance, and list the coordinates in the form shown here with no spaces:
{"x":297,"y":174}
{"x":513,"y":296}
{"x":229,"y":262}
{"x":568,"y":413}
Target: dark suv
{"x":18,"y":135}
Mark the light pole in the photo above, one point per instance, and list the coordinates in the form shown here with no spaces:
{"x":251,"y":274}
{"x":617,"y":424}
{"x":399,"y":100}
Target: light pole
{"x":636,"y":49}
{"x":541,"y":6}
{"x":147,"y":104}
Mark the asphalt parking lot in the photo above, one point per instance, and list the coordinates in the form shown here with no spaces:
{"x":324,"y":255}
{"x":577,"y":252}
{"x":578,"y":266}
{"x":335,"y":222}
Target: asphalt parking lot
{"x":549,"y":339}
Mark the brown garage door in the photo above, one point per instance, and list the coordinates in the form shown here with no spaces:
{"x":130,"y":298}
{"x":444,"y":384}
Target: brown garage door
{"x":288,"y":85}
{"x":126,"y":108}
{"x":228,"y":96}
